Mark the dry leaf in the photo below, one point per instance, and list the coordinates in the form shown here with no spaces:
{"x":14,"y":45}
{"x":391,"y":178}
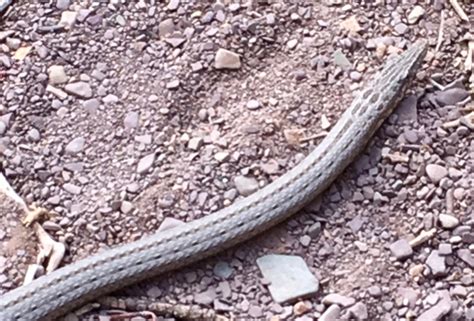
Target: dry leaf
{"x":351,"y":25}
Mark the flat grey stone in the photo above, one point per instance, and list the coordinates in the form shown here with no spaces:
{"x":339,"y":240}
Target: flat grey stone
{"x":375,"y":291}
{"x":97,"y":74}
{"x":315,"y":230}
{"x":208,"y":17}
{"x":253,"y":104}
{"x":206,"y":297}
{"x":331,"y":314}
{"x":166,"y":27}
{"x":401,"y":28}
{"x":4,"y":34}
{"x":255,"y":311}
{"x":173,"y":84}
{"x":289,"y":276}
{"x":173,"y":5}
{"x":5,"y":61}
{"x":126,"y":207}
{"x":144,"y":139}
{"x":356,"y":224}
{"x":73,"y":167}
{"x":166,"y":200}
{"x":72,"y":189}
{"x":34,"y":135}
{"x":339,"y":299}
{"x":154,"y":292}
{"x":448,"y":221}
{"x":62,"y":4}
{"x":75,"y":146}
{"x":436,"y":172}
{"x":415,"y":14}
{"x":80,"y":89}
{"x":437,"y":312}
{"x":245,"y":185}
{"x":6,"y":119}
{"x":54,"y":200}
{"x":410,"y":295}
{"x":223,"y":270}
{"x":305,"y":240}
{"x":110,"y":99}
{"x":195,"y":143}
{"x":91,"y":105}
{"x":131,"y":120}
{"x":57,"y":75}
{"x":169,"y":223}
{"x":222,"y":306}
{"x":466,"y":256}
{"x":226,"y":59}
{"x":355,"y":76}
{"x":445,"y":249}
{"x":292,"y":43}
{"x":359,"y":311}
{"x":175,"y":42}
{"x":68,"y":19}
{"x":341,"y":60}
{"x":401,"y":249}
{"x":451,"y":96}
{"x":222,"y":156}
{"x":436,"y":263}
{"x":145,"y":163}
{"x":3,"y":128}
{"x":411,"y":136}
{"x":459,"y":291}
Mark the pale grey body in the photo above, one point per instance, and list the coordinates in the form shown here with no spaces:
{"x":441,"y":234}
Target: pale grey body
{"x":52,"y":295}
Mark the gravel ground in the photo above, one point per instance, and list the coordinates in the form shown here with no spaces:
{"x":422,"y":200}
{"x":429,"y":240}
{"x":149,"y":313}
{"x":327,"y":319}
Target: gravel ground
{"x":118,"y":114}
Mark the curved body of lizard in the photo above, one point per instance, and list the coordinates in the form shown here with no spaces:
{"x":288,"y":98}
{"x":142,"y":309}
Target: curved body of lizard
{"x":52,"y":295}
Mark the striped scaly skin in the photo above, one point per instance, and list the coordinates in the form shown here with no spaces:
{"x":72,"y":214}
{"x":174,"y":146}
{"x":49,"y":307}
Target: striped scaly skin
{"x":65,"y":289}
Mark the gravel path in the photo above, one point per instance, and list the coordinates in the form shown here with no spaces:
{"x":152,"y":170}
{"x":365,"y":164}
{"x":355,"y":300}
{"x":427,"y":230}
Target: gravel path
{"x":124,"y":116}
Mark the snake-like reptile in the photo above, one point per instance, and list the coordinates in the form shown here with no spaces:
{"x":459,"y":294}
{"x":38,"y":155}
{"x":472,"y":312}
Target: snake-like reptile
{"x":63,"y":290}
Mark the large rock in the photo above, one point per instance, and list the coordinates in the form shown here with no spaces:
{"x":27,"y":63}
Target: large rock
{"x":339,"y":299}
{"x":437,"y":312}
{"x":169,"y":223}
{"x":436,"y":263}
{"x":80,"y":89}
{"x":145,"y":163}
{"x":401,"y":249}
{"x":75,"y":146}
{"x":436,"y":172}
{"x":451,"y":96}
{"x":289,"y":276}
{"x":57,"y":75}
{"x":246,"y":185}
{"x":331,"y":314}
{"x":226,"y":59}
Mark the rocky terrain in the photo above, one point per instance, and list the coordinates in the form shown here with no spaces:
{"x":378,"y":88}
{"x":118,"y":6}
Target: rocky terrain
{"x":125,"y":117}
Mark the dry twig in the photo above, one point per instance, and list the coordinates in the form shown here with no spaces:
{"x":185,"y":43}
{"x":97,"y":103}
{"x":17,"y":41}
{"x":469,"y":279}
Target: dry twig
{"x":187,"y":312}
{"x":50,"y":249}
{"x":316,"y":136}
{"x":423,"y":237}
{"x":466,"y":120}
{"x":457,"y":7}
